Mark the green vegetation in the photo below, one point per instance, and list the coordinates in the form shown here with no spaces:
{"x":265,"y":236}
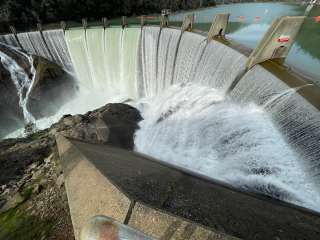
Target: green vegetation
{"x":309,"y":36}
{"x":25,"y":14}
{"x":17,"y":224}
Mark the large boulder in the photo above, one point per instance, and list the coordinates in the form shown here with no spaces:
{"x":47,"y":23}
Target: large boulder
{"x":52,"y":88}
{"x":113,"y":124}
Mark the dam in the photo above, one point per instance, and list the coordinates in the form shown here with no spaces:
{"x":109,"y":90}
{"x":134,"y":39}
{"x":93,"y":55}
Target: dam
{"x":205,"y":113}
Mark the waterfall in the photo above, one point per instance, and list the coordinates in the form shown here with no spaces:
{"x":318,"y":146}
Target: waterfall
{"x":21,"y":81}
{"x":167,"y":57}
{"x":9,"y":39}
{"x":33,"y":43}
{"x":168,"y":47}
{"x":262,"y":136}
{"x":96,"y":57}
{"x":76,"y":43}
{"x":219,"y":66}
{"x":105,"y":59}
{"x":129,"y":52}
{"x":58,"y":48}
{"x":113,"y":43}
{"x":148,"y":55}
{"x":198,"y":128}
{"x":285,"y":94}
{"x":26,"y":43}
{"x":189,"y":53}
{"x":296,"y":119}
{"x":39,"y":45}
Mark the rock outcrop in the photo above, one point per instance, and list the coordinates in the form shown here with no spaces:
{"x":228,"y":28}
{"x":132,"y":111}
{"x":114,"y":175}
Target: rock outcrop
{"x":32,"y":193}
{"x":52,"y":87}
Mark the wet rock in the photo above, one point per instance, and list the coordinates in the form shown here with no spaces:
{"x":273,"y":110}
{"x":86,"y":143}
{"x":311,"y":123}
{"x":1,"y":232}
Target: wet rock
{"x":12,"y":202}
{"x":60,"y":181}
{"x":37,"y":189}
{"x":52,"y":87}
{"x":32,"y":167}
{"x":68,"y":121}
{"x":113,"y":124}
{"x":30,"y":128}
{"x":3,"y":187}
{"x":49,"y":159}
{"x":2,"y":202}
{"x":37,"y":174}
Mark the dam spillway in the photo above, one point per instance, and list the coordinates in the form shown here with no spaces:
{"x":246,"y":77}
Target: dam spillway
{"x":262,"y":136}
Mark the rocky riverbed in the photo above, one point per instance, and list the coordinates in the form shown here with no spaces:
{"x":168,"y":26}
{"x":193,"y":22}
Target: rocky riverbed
{"x":33,"y":201}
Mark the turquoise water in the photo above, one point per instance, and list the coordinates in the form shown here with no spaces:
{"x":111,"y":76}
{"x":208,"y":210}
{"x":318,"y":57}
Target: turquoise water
{"x":249,"y":21}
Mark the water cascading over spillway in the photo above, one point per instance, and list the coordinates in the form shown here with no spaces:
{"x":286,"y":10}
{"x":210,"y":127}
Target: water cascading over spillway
{"x":58,"y":48}
{"x":262,"y":136}
{"x":39,"y":45}
{"x":21,"y":80}
{"x":147,"y":56}
{"x":9,"y":39}
{"x":189,"y":54}
{"x":297,"y":119}
{"x":48,"y":44}
{"x":167,"y":50}
{"x":247,"y":145}
{"x":105,"y":58}
{"x":198,"y":128}
{"x":26,"y":43}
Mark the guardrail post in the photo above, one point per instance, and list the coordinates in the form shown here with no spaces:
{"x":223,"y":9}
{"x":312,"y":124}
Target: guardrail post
{"x":142,"y":21}
{"x":105,"y":22}
{"x":63,"y":25}
{"x":164,"y":20}
{"x":39,"y":27}
{"x":277,"y":41}
{"x":14,"y":32}
{"x":84,"y":23}
{"x":219,"y":26}
{"x":124,"y":21}
{"x":187,"y":24}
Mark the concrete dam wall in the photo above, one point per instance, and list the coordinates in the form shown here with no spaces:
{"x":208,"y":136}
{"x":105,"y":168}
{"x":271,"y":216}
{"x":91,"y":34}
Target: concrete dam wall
{"x":260,"y":135}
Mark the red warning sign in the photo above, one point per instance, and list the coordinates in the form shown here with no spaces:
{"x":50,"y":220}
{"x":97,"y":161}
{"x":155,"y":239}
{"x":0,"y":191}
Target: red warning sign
{"x":283,"y":39}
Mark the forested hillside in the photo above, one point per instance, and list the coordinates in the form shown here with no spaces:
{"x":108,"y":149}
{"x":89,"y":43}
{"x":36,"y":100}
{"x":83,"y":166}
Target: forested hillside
{"x":25,"y":13}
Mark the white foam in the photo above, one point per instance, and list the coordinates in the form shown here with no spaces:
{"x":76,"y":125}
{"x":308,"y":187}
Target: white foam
{"x":196,"y":128}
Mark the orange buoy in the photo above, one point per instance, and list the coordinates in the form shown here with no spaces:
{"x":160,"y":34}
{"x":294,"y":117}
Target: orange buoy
{"x":257,"y":18}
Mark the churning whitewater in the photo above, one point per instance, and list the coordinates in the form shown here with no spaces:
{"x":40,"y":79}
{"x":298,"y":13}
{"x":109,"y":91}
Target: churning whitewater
{"x":197,"y":128}
{"x":260,"y":136}
{"x":21,"y":80}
